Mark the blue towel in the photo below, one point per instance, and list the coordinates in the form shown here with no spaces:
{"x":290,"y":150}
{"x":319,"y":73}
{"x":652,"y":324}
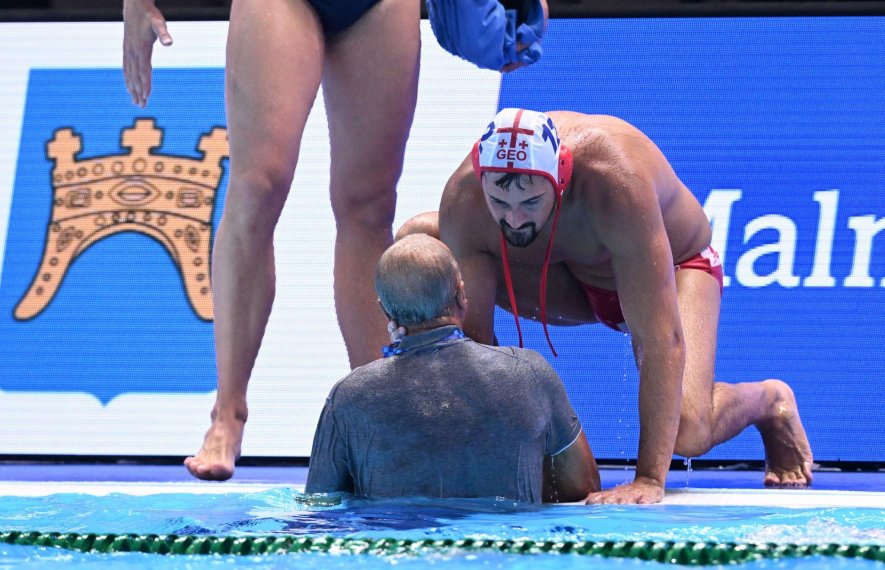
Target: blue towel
{"x":485,"y":33}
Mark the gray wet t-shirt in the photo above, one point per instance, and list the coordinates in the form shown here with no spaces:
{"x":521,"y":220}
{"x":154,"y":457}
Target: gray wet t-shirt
{"x":445,"y":418}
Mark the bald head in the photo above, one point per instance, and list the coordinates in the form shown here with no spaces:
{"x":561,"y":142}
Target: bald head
{"x":418,"y":281}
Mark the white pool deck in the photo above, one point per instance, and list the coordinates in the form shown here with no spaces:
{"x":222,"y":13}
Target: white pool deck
{"x":698,"y":488}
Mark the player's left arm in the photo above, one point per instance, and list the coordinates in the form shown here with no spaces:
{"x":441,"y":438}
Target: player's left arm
{"x":628,"y":220}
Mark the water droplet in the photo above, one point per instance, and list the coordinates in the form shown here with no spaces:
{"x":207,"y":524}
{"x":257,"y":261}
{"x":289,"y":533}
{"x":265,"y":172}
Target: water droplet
{"x":624,"y":424}
{"x":687,"y":462}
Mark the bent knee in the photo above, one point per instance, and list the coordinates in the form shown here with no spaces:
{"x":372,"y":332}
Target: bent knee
{"x":426,"y":223}
{"x":694,"y":436}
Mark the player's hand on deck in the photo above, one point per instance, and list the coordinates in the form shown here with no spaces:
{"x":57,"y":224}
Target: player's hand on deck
{"x":641,"y":491}
{"x":143,"y":23}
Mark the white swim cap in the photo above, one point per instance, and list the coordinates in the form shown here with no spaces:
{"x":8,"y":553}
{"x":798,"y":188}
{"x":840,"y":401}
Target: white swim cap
{"x":524,"y":142}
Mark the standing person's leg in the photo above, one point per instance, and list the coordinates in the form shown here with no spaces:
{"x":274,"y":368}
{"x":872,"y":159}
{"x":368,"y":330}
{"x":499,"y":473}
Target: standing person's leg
{"x":275,"y":55}
{"x":370,"y":87}
{"x":714,"y":412}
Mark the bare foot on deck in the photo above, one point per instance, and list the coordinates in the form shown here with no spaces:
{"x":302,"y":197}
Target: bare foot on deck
{"x":221,"y":449}
{"x":788,"y":456}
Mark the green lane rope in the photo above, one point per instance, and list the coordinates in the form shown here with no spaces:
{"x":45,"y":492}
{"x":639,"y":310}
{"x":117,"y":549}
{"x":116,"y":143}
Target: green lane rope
{"x":686,"y":553}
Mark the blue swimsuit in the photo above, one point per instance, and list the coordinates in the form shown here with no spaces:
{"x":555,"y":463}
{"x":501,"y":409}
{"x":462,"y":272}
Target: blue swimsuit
{"x":338,"y":15}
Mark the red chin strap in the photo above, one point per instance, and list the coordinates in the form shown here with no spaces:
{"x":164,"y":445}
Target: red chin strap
{"x":508,"y":279}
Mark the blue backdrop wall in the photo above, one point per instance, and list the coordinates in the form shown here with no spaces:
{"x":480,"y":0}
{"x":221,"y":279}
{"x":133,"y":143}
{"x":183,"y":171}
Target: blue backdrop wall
{"x":778,"y":127}
{"x":776,"y":124}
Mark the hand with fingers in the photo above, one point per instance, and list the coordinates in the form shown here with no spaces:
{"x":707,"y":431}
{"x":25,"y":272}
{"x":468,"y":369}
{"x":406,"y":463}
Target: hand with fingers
{"x":520,"y":46}
{"x":143,"y":24}
{"x":491,"y":34}
{"x":642,"y":491}
{"x":527,"y":50}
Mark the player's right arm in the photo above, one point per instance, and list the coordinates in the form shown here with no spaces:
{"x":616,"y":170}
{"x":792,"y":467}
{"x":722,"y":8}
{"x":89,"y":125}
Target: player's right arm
{"x":143,"y":23}
{"x":464,"y":223}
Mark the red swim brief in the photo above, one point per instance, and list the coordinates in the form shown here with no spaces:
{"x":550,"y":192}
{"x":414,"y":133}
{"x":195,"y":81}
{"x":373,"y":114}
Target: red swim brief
{"x":607,"y":306}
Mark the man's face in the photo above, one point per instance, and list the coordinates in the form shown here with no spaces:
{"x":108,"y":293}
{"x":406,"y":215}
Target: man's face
{"x":521,"y":211}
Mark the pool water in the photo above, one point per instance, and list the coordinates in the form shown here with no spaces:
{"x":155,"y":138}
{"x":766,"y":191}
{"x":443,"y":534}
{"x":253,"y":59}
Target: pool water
{"x":288,"y":512}
{"x":284,"y":511}
{"x":45,"y":558}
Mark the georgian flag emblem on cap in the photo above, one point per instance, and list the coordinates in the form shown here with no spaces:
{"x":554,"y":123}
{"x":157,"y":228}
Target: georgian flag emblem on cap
{"x":520,"y":141}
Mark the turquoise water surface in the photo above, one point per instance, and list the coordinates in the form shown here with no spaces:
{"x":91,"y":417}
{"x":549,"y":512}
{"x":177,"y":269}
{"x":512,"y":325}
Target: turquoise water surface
{"x":40,"y":558}
{"x":284,"y":511}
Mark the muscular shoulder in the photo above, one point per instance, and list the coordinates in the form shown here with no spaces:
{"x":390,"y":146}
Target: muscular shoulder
{"x":601,"y":142}
{"x":614,"y":162}
{"x":596,"y":135}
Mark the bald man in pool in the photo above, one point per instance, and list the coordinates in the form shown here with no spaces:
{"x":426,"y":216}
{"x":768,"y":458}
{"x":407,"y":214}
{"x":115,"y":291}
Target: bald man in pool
{"x":601,"y":230}
{"x":441,"y":415}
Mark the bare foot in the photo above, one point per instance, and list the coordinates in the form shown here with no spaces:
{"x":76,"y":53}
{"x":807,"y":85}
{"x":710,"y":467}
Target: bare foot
{"x":221,"y":449}
{"x":788,"y":456}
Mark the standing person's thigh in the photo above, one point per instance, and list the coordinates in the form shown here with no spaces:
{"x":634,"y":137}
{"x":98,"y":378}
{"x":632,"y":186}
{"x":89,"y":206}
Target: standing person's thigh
{"x":699,"y":301}
{"x":370,"y":87}
{"x":275,"y":54}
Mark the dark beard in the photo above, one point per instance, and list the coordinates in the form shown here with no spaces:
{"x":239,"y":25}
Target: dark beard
{"x":521,"y":237}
